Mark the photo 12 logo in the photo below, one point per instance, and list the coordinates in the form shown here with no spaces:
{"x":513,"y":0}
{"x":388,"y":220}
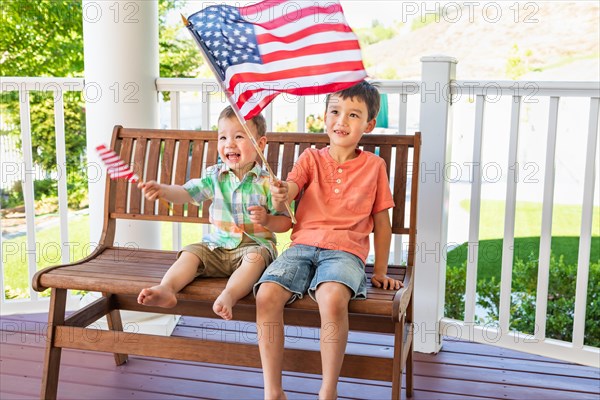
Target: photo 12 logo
{"x":454,"y":12}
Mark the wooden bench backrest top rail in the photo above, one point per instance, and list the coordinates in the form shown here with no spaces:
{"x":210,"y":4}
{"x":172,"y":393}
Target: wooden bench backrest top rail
{"x":175,"y":156}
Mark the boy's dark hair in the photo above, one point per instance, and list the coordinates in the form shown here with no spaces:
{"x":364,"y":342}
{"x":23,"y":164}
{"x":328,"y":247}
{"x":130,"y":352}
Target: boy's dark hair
{"x":259,"y":121}
{"x":365,"y":92}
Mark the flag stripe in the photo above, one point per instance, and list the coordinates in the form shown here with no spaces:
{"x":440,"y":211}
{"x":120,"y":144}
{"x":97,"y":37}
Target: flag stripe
{"x":300,"y":72}
{"x":115,"y":166}
{"x":308,"y":38}
{"x":275,"y":67}
{"x":300,"y":25}
{"x":310,"y":50}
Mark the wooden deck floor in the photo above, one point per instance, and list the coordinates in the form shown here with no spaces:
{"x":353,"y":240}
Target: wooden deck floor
{"x":461,"y":370}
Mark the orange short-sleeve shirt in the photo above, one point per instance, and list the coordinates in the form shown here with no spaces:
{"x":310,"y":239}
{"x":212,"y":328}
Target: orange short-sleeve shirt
{"x":339,"y":200}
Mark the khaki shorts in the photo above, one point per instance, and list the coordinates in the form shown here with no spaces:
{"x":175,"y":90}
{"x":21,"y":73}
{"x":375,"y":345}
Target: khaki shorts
{"x":221,"y":263}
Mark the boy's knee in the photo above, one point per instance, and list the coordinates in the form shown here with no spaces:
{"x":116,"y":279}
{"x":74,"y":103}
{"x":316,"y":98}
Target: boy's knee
{"x":333,"y":297}
{"x":271,"y":296}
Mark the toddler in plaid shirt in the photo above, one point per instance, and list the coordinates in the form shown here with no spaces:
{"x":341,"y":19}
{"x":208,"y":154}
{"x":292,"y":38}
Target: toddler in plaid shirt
{"x":242,"y":243}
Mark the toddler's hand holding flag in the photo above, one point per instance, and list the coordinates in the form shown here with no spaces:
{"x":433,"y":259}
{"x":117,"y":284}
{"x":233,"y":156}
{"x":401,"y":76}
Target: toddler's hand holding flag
{"x":117,"y":169}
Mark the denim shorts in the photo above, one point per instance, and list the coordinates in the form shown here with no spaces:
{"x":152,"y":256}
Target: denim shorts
{"x":302,"y":269}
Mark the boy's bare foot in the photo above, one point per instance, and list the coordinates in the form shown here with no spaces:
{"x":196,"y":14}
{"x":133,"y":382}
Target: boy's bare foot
{"x":223,"y":305}
{"x":159,"y":296}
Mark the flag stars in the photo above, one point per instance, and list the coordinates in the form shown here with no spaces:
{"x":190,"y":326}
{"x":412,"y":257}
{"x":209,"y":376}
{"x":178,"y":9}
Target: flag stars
{"x":229,"y":39}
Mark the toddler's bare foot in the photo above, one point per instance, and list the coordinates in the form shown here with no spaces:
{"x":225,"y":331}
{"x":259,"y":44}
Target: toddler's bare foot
{"x":159,"y":296}
{"x":223,"y":305}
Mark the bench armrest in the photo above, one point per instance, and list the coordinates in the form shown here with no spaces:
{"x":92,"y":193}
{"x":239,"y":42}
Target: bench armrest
{"x":403,"y":296}
{"x":36,"y":280}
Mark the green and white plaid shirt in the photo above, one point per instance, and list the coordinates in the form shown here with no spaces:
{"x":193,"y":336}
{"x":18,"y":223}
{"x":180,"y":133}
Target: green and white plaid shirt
{"x":231,"y":198}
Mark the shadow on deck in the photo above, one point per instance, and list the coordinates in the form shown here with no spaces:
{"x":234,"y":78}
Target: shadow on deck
{"x":462,"y":370}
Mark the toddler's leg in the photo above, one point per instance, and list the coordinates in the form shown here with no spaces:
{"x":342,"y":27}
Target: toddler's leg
{"x":182,"y":272}
{"x":270,"y":301}
{"x":239,"y":284}
{"x":333,"y":299}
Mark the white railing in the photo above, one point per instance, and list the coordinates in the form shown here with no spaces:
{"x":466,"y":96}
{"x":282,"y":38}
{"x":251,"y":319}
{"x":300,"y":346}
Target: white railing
{"x":406,"y":105}
{"x":58,"y":86}
{"x":501,"y":334}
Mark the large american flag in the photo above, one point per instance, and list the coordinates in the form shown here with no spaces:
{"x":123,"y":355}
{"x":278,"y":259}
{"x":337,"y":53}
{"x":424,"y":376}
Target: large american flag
{"x":278,"y":46}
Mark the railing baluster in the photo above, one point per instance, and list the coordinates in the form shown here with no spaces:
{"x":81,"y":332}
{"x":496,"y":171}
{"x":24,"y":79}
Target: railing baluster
{"x":206,"y":127}
{"x":175,"y":118}
{"x":546,"y":233}
{"x":268,"y":113}
{"x":61,"y":162}
{"x":509,"y":217}
{"x":28,"y":194}
{"x":402,"y":114}
{"x":474,"y":212}
{"x":585,"y":237}
{"x":205,"y":95}
{"x":301,"y":113}
{"x":2,"y":293}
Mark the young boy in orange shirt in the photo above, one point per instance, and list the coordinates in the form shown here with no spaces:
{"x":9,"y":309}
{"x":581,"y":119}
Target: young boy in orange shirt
{"x":346,"y":197}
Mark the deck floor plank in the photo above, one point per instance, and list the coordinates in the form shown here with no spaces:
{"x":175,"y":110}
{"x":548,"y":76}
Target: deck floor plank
{"x":462,"y":370}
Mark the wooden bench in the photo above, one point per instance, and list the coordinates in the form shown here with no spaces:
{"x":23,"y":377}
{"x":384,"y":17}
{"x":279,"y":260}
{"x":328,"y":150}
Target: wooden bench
{"x":120,"y":273}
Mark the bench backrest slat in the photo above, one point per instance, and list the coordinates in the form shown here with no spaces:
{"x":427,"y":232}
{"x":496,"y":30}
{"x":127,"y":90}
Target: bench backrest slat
{"x":171,"y":156}
{"x":181,"y":171}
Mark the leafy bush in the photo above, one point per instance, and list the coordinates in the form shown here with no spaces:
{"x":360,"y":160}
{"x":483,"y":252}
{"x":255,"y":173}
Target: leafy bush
{"x":561,"y":298}
{"x":315,"y":124}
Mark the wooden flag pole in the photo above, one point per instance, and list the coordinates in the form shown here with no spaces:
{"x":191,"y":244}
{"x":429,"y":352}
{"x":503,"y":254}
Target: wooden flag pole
{"x":237,"y":112}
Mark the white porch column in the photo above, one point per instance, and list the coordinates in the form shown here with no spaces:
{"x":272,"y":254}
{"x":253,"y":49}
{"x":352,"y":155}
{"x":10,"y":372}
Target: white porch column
{"x":121,"y":64}
{"x":430,"y":262}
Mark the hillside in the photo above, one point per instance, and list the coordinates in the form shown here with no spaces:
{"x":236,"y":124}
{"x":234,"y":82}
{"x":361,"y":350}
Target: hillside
{"x":564,"y":43}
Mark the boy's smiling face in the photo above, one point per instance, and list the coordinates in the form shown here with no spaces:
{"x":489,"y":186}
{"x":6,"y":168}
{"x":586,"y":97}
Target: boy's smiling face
{"x":346,"y":120}
{"x":234,"y":146}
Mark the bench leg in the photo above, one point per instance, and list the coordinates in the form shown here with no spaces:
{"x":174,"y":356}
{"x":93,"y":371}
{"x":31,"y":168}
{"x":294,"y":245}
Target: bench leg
{"x":409,"y":359}
{"x":397,"y":368}
{"x":113,"y":319}
{"x":56,"y":317}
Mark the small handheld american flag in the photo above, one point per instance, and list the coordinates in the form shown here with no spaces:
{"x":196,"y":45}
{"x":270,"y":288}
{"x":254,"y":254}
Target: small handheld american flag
{"x":115,"y":166}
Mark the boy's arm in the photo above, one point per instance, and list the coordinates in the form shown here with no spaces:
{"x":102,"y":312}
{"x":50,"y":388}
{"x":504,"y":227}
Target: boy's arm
{"x":382,"y":241}
{"x":172,"y":193}
{"x":282,"y":192}
{"x":278,"y":223}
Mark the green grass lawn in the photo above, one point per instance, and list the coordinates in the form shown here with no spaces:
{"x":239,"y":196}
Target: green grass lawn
{"x":566,"y":225}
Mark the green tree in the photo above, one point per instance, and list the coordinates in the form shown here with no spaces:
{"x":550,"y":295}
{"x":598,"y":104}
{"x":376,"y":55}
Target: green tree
{"x":45,"y":38}
{"x":179,"y":55}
